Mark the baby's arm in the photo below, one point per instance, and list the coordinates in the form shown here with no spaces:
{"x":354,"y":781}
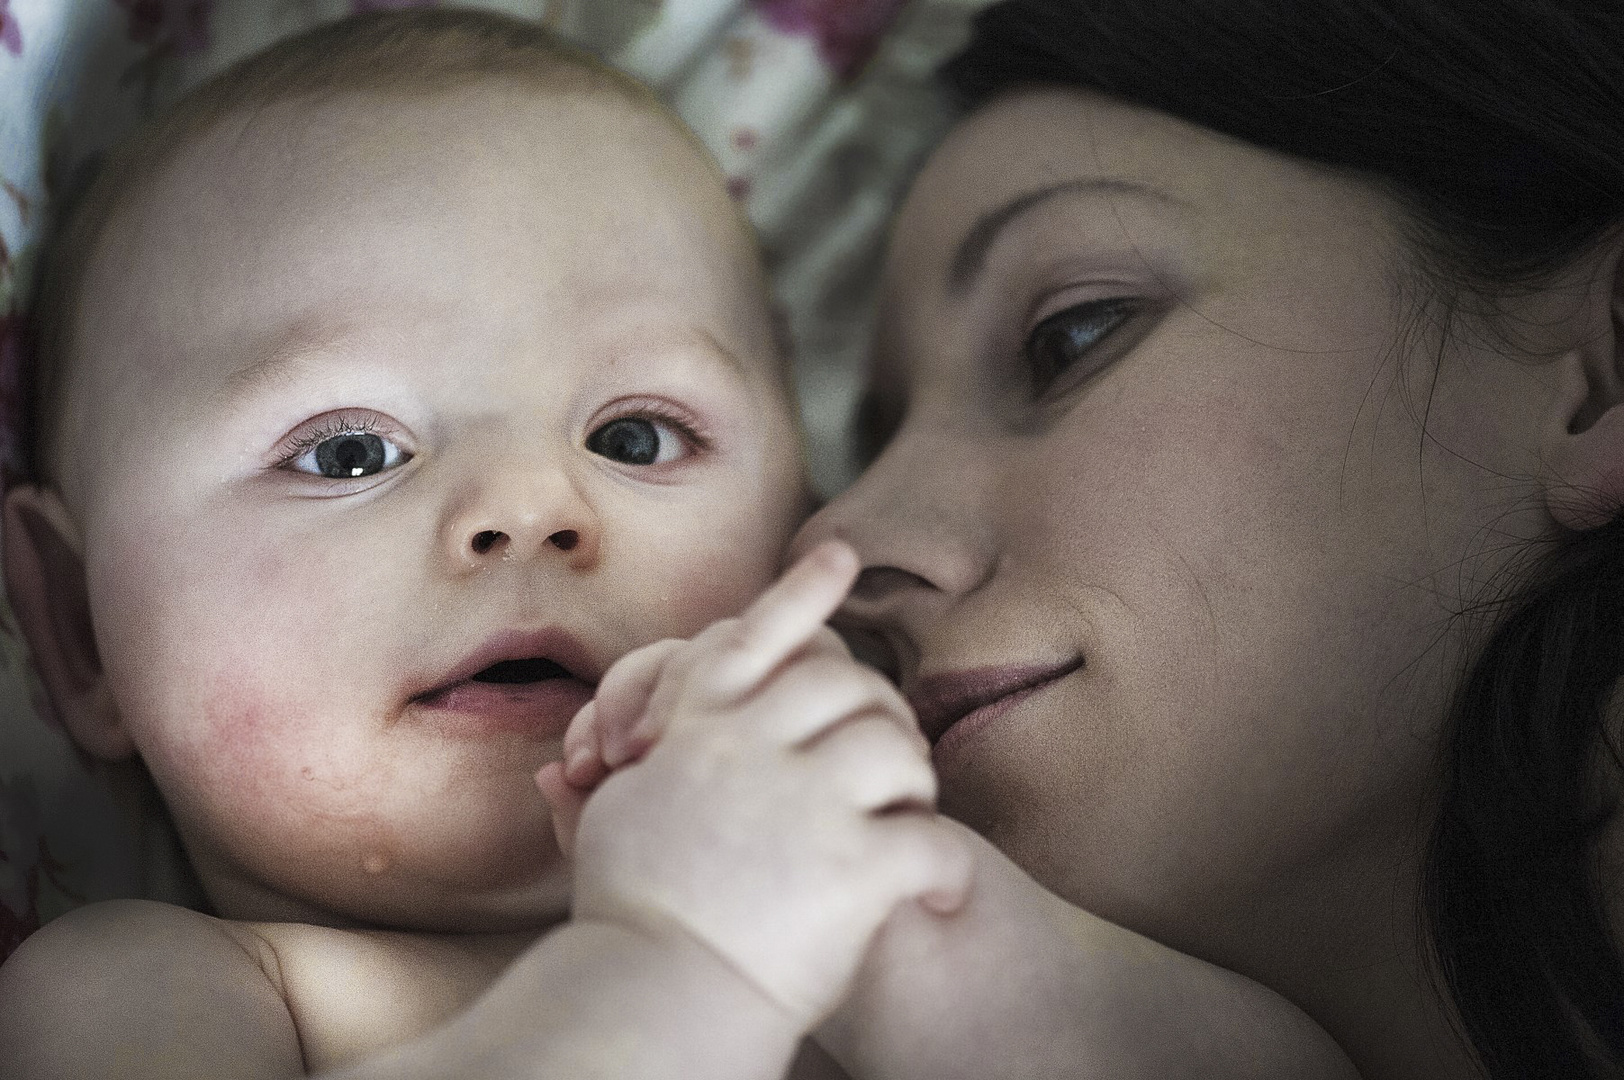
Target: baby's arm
{"x":138,"y":990}
{"x":727,"y":889}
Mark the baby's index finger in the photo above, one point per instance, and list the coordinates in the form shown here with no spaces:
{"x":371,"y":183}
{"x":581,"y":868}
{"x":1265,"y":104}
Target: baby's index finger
{"x":795,"y":607}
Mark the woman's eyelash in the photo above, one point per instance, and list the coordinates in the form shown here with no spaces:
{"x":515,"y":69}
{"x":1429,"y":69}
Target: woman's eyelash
{"x":1060,"y":340}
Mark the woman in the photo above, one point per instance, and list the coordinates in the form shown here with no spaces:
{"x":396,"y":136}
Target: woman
{"x":1247,"y":432}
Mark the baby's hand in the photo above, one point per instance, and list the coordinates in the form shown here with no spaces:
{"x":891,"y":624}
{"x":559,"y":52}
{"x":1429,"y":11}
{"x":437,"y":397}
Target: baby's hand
{"x":765,"y":794}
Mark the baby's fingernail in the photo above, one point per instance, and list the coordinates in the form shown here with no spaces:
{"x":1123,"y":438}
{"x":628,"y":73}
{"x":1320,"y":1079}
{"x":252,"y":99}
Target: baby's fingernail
{"x":834,"y":553}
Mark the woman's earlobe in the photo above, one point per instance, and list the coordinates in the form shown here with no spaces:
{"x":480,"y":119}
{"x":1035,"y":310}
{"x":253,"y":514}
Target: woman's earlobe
{"x":1584,"y":458}
{"x":45,"y":580}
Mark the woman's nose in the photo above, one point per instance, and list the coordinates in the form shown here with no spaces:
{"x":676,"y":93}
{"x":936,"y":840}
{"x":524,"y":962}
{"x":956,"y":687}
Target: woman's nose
{"x":913,"y":518}
{"x":524,"y":515}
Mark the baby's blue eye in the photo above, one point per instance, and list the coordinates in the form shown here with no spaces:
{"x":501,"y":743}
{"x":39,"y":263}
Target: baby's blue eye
{"x":350,"y":455}
{"x":635,"y":440}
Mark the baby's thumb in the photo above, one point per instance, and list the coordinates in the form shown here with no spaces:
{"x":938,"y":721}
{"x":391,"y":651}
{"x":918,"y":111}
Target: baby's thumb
{"x":565,"y":801}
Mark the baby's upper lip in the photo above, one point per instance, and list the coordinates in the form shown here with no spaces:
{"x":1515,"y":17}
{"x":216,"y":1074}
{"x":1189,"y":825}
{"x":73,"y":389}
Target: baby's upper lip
{"x":559,"y":646}
{"x":940,"y":701}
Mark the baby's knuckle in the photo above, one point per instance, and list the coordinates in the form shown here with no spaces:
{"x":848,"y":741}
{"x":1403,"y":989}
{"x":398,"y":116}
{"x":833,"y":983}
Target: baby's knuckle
{"x":728,"y":635}
{"x":825,"y":640}
{"x":914,"y":773}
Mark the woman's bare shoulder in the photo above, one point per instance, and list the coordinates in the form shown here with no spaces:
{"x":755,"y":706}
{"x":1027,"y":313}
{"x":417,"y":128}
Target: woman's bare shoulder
{"x":135,"y":988}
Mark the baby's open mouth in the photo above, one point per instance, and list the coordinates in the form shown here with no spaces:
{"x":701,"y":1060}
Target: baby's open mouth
{"x":534,"y":694}
{"x":531,"y":669}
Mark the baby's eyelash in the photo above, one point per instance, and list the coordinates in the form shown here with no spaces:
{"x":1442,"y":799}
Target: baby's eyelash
{"x":668,"y":415}
{"x":327,"y":427}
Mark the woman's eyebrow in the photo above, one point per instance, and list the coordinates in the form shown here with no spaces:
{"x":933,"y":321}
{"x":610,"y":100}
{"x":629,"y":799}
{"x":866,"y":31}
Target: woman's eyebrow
{"x":972,"y":250}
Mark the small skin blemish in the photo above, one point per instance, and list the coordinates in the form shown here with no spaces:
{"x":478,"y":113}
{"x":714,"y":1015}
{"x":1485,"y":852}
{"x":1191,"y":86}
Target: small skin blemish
{"x":375,"y":863}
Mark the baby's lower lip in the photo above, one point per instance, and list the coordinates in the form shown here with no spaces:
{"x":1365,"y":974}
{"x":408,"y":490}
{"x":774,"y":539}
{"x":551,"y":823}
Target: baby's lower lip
{"x":470,"y":708}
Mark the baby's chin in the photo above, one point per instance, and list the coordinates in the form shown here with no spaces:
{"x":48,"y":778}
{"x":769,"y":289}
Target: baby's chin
{"x":490,"y":891}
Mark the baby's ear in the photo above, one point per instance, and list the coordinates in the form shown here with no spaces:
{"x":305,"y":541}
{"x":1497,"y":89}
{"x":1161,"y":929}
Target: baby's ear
{"x":1585,"y":449}
{"x":45,"y":578}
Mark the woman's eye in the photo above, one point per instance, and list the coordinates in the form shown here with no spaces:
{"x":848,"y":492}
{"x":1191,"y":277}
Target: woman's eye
{"x":349,"y":456}
{"x":636,"y":440}
{"x":1062,"y":339}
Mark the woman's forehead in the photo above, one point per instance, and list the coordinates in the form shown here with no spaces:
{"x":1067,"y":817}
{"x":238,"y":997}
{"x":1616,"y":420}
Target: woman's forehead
{"x":1074,"y":187}
{"x":1031,"y":141}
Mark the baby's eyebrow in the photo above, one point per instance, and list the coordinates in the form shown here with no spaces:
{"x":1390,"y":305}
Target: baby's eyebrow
{"x":688,"y":336}
{"x":732,"y":359}
{"x":286,"y":353}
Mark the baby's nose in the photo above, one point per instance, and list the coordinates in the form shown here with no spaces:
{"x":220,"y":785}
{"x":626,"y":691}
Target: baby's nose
{"x":488,"y":540}
{"x":517,"y":517}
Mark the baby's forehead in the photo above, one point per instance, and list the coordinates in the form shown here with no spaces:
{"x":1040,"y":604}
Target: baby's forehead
{"x":363,"y":201}
{"x":287,"y":147}
{"x":319,"y":174}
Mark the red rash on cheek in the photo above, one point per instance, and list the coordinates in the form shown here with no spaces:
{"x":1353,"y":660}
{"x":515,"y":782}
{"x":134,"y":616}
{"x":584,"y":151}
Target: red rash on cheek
{"x":251,"y":746}
{"x":260,"y":759}
{"x":233,"y":739}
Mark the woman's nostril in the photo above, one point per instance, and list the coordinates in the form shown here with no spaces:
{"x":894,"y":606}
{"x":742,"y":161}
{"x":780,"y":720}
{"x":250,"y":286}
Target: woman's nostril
{"x":873,"y":649}
{"x":879,"y":582}
{"x":565,"y":539}
{"x":485,"y":541}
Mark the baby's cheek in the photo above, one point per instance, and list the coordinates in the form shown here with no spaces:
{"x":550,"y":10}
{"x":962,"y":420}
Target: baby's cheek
{"x":730,"y":553}
{"x":716,"y":584}
{"x":254,"y":762}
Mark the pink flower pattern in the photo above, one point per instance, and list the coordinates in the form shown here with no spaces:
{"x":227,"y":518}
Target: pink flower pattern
{"x":180,"y":26}
{"x":11,"y":34}
{"x":847,"y":31}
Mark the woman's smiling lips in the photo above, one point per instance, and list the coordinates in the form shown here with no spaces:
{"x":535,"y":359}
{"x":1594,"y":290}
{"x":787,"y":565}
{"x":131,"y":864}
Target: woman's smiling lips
{"x":952,"y":706}
{"x":527,"y":682}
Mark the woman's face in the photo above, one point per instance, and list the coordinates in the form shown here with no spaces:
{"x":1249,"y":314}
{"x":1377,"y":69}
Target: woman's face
{"x":1175,"y":502}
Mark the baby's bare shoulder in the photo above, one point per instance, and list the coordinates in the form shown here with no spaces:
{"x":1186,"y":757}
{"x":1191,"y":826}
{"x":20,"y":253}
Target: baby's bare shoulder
{"x":133,"y":988}
{"x":357,"y":992}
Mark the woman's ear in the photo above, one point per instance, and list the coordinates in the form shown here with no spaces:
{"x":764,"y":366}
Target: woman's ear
{"x":1585,"y":451}
{"x":45,"y":578}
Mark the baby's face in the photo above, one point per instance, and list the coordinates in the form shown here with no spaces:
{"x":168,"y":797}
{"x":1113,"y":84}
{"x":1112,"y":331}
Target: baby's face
{"x":384,"y":404}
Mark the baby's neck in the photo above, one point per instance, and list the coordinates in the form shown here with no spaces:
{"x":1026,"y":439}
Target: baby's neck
{"x":505,"y":921}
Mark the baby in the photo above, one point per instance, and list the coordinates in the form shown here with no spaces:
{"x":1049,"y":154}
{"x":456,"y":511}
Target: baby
{"x":393,"y":386}
{"x":406,"y":393}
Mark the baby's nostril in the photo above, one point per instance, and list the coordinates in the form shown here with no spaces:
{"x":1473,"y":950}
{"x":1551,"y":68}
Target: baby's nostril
{"x":486,"y":540}
{"x":564,"y":539}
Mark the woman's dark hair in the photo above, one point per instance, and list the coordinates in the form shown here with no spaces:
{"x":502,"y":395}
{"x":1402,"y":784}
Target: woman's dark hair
{"x":1497,"y":126}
